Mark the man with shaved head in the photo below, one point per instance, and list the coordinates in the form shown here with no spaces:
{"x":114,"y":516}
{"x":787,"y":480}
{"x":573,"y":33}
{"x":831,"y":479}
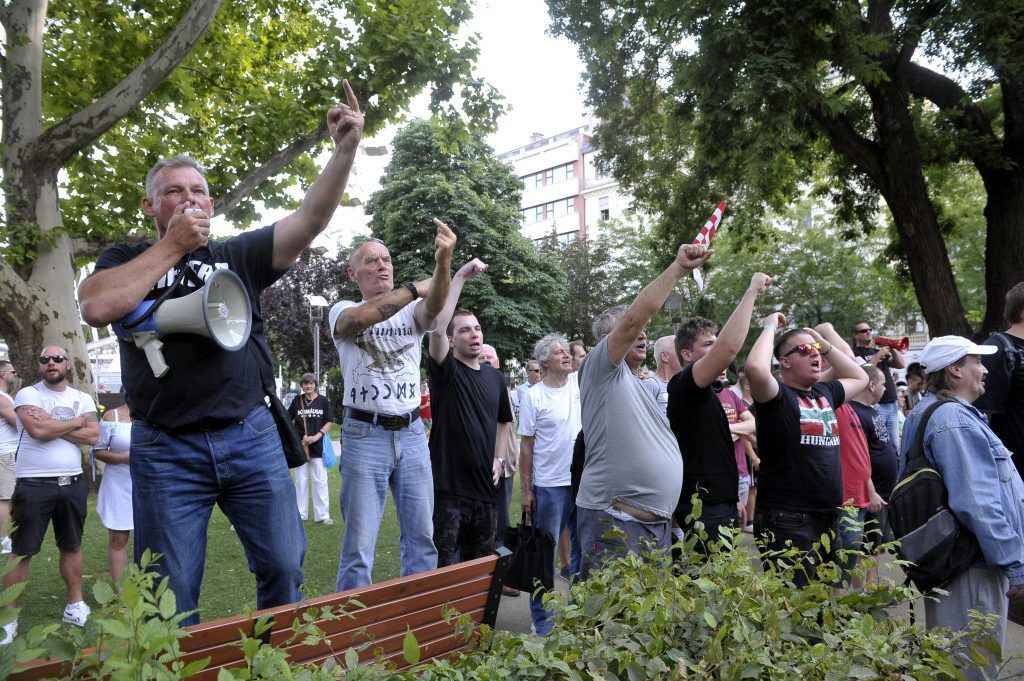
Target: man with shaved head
{"x":383,"y":441}
{"x":56,"y":420}
{"x":667,"y":366}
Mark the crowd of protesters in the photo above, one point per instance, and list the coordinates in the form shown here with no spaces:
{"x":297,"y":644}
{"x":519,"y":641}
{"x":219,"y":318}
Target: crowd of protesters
{"x":611,"y":457}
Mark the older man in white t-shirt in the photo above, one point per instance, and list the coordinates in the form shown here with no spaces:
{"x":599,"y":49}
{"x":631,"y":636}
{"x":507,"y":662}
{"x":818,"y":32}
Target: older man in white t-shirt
{"x":383,"y":442}
{"x":549,"y":421}
{"x":56,"y":420}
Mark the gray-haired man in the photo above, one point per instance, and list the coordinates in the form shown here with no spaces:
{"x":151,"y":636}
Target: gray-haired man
{"x":633,"y":471}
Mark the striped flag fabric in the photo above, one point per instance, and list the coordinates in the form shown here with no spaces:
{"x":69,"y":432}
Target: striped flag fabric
{"x":704,"y":237}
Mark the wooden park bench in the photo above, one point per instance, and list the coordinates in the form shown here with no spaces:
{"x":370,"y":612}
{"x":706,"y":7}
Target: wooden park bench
{"x":392,"y":608}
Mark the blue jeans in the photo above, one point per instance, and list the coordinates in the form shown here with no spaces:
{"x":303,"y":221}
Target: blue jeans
{"x":890,"y":413}
{"x":372,"y":459}
{"x":778,"y":530}
{"x":178,"y":477}
{"x":555,"y":510}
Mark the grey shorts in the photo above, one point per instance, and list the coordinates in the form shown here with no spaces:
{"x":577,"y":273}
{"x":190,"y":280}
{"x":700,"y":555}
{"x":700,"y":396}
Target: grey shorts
{"x":6,"y":476}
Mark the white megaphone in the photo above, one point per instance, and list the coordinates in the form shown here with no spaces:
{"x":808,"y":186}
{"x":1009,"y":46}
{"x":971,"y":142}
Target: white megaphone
{"x":220,"y":311}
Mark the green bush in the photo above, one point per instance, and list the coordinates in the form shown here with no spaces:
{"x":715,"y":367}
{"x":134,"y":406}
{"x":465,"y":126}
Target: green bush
{"x":640,"y":617}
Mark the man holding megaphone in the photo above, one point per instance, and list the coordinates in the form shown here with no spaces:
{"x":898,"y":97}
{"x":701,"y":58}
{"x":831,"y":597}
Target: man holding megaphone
{"x":201,"y":432}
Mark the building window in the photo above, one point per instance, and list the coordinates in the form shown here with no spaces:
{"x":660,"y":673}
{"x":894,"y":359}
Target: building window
{"x":561,"y":207}
{"x":534,"y":214}
{"x":602,"y":205}
{"x":567,"y":238}
{"x":563,"y":173}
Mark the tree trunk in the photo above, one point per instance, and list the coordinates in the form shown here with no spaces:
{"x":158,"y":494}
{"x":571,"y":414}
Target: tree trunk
{"x":905,"y":191}
{"x":37,"y":297}
{"x":1004,"y":242}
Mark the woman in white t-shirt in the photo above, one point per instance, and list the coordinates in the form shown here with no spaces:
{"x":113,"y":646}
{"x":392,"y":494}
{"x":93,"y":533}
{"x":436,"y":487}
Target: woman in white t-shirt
{"x":114,"y":503}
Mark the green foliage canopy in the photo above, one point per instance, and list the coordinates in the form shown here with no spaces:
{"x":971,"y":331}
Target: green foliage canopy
{"x":756,"y":101}
{"x":478,"y":196}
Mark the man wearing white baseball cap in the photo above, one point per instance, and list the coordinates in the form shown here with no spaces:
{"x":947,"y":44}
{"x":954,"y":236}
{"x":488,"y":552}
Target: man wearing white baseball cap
{"x":985,"y":490}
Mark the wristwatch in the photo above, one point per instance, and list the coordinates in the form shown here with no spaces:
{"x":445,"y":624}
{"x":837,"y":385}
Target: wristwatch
{"x":502,"y":462}
{"x":412,"y":289}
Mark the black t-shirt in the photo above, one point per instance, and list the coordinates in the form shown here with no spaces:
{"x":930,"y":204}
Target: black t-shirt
{"x":204,"y":380}
{"x":702,"y":429}
{"x":890,"y":385}
{"x":884,"y":460}
{"x":1004,"y":396}
{"x":309,"y":418}
{"x":798,"y":443}
{"x":467,"y":405}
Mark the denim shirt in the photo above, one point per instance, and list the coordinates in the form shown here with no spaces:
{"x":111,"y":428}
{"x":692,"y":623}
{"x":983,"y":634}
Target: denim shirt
{"x":985,"y":491}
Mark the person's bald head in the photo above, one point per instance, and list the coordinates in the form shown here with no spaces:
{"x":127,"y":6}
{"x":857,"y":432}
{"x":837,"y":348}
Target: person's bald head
{"x":665,"y":355}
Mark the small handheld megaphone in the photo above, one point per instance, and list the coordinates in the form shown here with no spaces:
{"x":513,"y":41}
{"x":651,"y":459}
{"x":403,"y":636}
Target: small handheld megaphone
{"x":220,"y":310}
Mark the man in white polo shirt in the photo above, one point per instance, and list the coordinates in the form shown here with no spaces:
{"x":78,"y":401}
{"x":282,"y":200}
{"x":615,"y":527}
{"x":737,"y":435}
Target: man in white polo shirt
{"x":56,"y":420}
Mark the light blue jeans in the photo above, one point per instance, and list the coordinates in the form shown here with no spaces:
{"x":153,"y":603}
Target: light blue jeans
{"x":373,"y":459}
{"x":555,"y":510}
{"x":176,"y":480}
{"x":890,"y":413}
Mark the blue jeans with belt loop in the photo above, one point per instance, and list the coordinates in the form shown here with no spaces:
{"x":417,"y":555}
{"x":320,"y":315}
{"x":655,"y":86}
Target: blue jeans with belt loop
{"x":178,"y":477}
{"x":372,"y":460}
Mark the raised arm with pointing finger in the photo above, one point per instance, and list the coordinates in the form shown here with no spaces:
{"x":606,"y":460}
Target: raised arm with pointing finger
{"x":207,"y":415}
{"x":369,"y":266}
{"x":178,"y":199}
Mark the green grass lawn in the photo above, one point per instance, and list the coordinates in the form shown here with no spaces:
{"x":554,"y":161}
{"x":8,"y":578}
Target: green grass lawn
{"x":228,"y":587}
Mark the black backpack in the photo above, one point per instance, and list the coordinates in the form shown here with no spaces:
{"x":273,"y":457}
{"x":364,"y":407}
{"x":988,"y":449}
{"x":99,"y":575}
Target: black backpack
{"x":930,"y":536}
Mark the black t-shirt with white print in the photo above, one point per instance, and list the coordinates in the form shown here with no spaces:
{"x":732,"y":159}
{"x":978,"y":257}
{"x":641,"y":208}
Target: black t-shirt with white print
{"x":798,"y":443}
{"x":204,"y":380}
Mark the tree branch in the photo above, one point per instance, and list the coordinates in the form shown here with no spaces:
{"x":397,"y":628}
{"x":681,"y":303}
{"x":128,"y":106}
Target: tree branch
{"x":67,"y":137}
{"x":271,"y":167}
{"x":92,"y":248}
{"x":951,"y":99}
{"x":863,"y":152}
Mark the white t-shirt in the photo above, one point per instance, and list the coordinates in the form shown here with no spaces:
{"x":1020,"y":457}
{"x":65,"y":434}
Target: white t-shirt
{"x":49,"y":458}
{"x":8,"y":433}
{"x":552,"y":417}
{"x":381,"y":364}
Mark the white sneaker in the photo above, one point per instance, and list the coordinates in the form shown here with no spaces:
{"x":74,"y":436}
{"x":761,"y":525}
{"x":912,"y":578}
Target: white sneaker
{"x":326,"y":521}
{"x":5,"y":544}
{"x":77,"y":613}
{"x":10,"y":631}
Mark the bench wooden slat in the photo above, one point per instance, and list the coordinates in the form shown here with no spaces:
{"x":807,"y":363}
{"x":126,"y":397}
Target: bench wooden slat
{"x":392,"y":607}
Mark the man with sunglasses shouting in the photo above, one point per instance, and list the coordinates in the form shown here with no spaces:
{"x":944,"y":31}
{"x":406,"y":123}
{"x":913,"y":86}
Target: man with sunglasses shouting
{"x":202,"y":434}
{"x":801,"y":487}
{"x":55,"y":421}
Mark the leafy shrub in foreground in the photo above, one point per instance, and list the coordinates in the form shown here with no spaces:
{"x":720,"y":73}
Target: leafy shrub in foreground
{"x":640,"y":617}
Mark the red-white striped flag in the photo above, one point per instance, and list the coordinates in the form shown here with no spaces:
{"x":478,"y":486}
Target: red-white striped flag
{"x":704,"y":237}
{"x":707,"y":232}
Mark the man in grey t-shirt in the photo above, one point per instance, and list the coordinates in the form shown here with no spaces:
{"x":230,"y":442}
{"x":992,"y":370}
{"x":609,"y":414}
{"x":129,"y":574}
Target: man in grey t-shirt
{"x":633,"y":470}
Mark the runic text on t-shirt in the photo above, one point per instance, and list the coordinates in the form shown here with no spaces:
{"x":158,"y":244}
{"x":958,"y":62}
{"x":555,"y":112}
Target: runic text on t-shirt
{"x":400,"y":390}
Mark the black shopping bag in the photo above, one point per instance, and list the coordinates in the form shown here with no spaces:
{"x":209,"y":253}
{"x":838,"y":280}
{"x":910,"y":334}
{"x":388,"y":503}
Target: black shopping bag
{"x":533,"y":557}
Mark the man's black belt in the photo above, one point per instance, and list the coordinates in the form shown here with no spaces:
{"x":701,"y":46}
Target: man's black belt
{"x":385,"y":421}
{"x":203,"y":425}
{"x":59,"y":480}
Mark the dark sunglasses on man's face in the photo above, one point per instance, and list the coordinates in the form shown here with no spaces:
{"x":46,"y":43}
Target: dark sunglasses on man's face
{"x":805,"y":349}
{"x":867,"y":330}
{"x":56,"y":359}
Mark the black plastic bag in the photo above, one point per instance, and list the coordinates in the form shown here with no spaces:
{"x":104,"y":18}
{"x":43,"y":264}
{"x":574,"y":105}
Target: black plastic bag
{"x":533,"y":558}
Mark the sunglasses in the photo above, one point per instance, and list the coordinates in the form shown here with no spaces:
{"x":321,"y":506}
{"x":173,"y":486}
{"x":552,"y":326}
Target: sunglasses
{"x":867,"y":330}
{"x":805,"y":349}
{"x":56,"y":359}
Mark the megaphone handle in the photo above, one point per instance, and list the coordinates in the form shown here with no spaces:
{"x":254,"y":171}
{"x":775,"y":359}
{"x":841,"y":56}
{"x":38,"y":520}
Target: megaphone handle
{"x":152,"y":346}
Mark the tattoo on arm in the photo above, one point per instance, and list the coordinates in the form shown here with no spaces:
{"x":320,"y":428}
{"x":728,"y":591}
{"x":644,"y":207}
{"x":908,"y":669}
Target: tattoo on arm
{"x":387,"y":310}
{"x":91,"y":417}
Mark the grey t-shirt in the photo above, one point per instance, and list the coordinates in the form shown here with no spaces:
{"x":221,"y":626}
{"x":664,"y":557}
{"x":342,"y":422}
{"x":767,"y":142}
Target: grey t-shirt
{"x":632,"y":455}
{"x":659,"y":389}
